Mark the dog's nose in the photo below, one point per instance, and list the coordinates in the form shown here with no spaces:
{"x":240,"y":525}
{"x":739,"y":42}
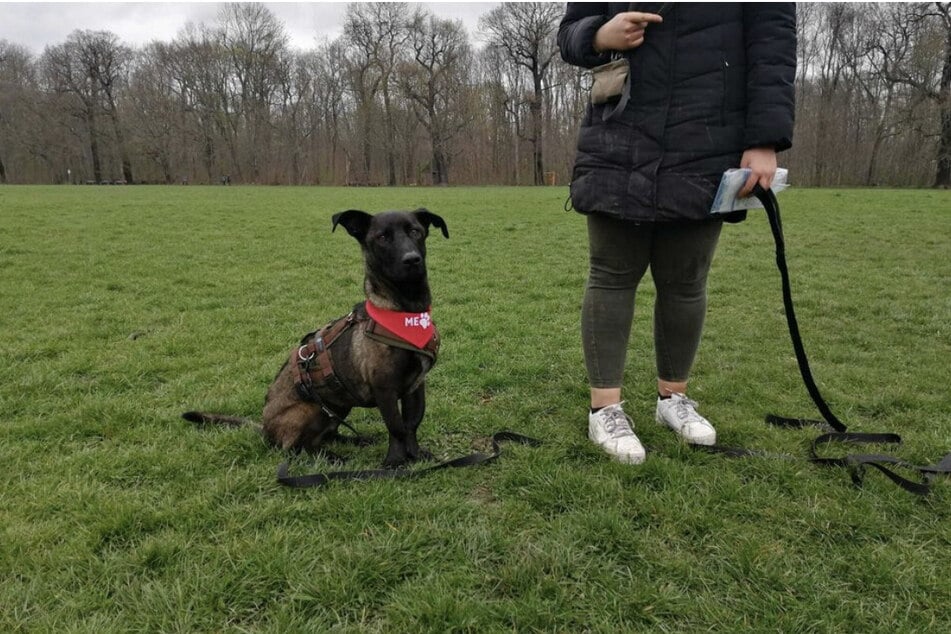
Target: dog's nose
{"x":412,"y":258}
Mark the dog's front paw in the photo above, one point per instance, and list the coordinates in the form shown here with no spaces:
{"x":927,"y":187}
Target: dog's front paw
{"x":399,"y":455}
{"x":395,"y":457}
{"x":423,"y":454}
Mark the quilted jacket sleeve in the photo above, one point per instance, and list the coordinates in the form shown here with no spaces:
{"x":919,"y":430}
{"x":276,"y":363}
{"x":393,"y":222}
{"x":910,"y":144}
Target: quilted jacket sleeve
{"x":576,"y":33}
{"x":770,"y":36}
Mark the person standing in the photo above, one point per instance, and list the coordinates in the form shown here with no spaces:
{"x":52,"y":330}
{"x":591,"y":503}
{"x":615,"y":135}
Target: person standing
{"x":709,"y":88}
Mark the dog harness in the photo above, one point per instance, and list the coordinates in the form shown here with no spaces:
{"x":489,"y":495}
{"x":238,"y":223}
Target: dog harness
{"x":316,"y":378}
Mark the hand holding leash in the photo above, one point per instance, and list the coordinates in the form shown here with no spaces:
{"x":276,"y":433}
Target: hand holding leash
{"x":762,"y":164}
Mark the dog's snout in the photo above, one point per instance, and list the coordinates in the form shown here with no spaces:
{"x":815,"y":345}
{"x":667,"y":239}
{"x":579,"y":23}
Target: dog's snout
{"x":412,"y":258}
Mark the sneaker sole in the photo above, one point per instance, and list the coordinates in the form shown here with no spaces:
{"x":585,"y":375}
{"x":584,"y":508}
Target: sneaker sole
{"x":629,"y":459}
{"x":707,"y":440}
{"x":622,"y":458}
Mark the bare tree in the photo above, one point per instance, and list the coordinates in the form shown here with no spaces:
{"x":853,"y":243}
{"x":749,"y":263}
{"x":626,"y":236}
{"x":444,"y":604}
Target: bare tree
{"x":295,"y":92}
{"x":68,"y":78}
{"x":525,"y":31}
{"x":435,"y":81}
{"x":16,"y":80}
{"x":375,"y":34}
{"x":256,"y":45}
{"x":329,"y":93}
{"x":498,"y":122}
{"x":91,"y":65}
{"x":107,"y":61}
{"x":191,"y":61}
{"x":364,"y":79}
{"x":913,"y":49}
{"x":157,"y":109}
{"x":943,"y":172}
{"x":832,"y":70}
{"x":882,"y":118}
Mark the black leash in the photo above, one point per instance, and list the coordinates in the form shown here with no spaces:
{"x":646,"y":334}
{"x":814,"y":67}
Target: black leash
{"x":320,"y":479}
{"x":837,"y":432}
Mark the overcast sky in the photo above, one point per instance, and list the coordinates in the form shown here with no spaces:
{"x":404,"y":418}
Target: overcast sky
{"x":37,"y":24}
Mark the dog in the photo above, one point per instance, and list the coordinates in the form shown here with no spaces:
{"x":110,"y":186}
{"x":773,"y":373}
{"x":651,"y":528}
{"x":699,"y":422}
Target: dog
{"x":376,"y":356}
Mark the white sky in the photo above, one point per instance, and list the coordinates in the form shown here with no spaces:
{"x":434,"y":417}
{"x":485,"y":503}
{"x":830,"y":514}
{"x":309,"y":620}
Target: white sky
{"x":38,"y":24}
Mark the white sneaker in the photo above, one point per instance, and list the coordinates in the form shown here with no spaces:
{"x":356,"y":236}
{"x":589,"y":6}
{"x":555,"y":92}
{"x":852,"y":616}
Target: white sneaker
{"x":680,"y":414}
{"x":611,"y":428}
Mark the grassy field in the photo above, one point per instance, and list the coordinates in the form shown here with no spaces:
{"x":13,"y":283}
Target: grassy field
{"x":123,"y":307}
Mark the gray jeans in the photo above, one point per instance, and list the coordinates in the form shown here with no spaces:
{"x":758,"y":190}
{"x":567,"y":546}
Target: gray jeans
{"x":679,"y":256}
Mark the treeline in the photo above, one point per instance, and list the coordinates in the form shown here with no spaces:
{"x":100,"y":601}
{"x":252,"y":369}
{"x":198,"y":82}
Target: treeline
{"x":404,"y":97}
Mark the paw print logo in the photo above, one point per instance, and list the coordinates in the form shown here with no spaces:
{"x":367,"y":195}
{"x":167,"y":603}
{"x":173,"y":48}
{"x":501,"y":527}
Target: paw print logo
{"x":424,"y":320}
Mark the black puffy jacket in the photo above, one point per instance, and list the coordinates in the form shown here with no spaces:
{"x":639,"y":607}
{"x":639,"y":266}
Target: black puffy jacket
{"x":708,"y":83}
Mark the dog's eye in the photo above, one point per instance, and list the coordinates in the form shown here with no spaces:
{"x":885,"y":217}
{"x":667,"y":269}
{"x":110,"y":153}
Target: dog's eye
{"x":383,"y":237}
{"x":415,"y":233}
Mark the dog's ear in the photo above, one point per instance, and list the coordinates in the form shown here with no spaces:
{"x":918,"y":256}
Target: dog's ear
{"x":356,"y":222}
{"x":427,"y":218}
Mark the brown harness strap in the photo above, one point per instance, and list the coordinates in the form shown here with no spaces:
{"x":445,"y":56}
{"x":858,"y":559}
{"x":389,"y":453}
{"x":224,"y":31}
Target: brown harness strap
{"x":375,"y":331}
{"x":315,"y":370}
{"x":315,"y":365}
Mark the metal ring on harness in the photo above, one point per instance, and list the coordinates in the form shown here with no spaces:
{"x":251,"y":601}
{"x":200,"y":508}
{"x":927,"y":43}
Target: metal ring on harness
{"x":303,"y":359}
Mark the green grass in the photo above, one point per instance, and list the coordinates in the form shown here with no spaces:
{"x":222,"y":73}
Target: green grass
{"x":123,"y":307}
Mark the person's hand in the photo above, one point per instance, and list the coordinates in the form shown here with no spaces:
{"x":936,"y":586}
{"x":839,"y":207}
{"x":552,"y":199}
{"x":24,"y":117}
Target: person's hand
{"x":624,"y":31}
{"x":762,"y":164}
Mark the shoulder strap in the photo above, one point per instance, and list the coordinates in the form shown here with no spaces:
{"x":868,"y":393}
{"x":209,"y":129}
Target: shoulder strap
{"x":314,"y":361}
{"x":374,"y":331}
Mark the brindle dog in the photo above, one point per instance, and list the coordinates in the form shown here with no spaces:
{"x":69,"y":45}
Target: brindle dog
{"x":378,"y":375}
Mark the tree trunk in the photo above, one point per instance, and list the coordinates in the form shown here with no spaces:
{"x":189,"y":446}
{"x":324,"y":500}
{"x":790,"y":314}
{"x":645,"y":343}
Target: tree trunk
{"x":943,"y":173}
{"x":366,"y":145}
{"x":440,"y":177}
{"x":518,"y":135}
{"x":123,"y":152}
{"x":822,"y":131}
{"x":166,"y":169}
{"x":209,"y":156}
{"x":94,"y":147}
{"x":880,"y":130}
{"x":537,"y":155}
{"x":388,"y":137}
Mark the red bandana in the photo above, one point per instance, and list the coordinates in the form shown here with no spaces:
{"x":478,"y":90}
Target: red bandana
{"x":414,"y":328}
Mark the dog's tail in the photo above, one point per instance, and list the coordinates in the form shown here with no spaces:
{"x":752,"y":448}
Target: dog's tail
{"x":204,"y":418}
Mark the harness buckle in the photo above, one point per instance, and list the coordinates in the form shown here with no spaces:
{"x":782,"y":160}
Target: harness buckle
{"x":308,"y":358}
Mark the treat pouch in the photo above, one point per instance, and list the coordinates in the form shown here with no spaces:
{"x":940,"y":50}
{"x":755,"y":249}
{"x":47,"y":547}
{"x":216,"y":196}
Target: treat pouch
{"x":608,"y":80}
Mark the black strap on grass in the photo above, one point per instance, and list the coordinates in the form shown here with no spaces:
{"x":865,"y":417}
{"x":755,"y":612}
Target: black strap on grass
{"x":836,"y":430}
{"x":768,"y":198}
{"x":320,"y":479}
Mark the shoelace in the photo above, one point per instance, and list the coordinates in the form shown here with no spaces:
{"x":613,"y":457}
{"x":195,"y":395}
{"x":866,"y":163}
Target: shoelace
{"x":686,"y":408}
{"x":617,"y":424}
